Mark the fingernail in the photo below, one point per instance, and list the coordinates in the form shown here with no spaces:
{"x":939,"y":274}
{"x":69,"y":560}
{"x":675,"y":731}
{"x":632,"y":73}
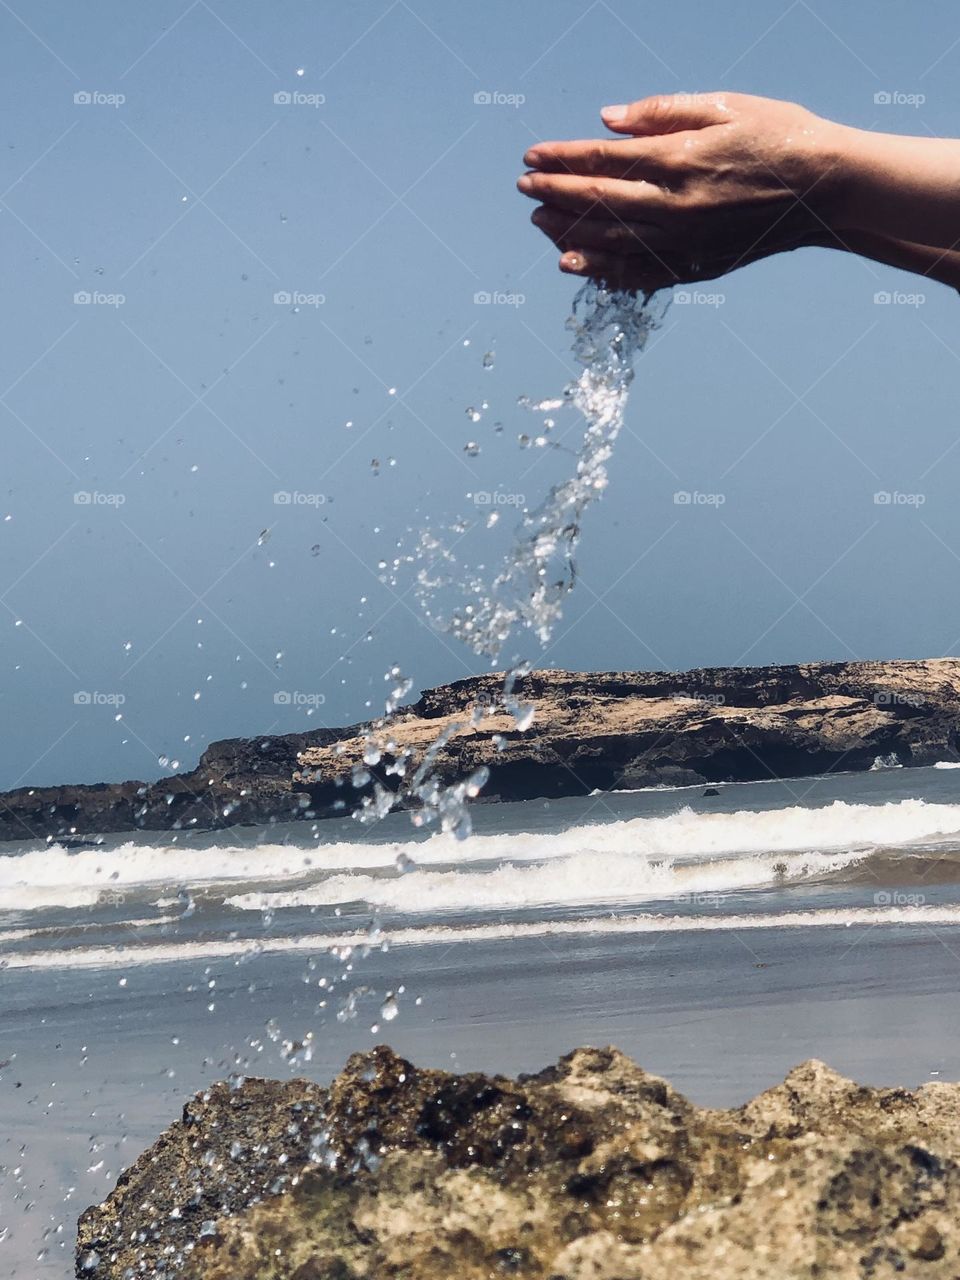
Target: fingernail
{"x":571,"y":262}
{"x":525,"y":183}
{"x":613,"y":115}
{"x":532,"y":159}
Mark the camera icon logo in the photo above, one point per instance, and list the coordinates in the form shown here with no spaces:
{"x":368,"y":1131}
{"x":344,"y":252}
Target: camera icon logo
{"x":283,"y":498}
{"x":482,"y":299}
{"x":283,"y":298}
{"x":282,"y":698}
{"x":283,"y":98}
{"x":883,"y":98}
{"x":483,"y":98}
{"x":83,"y":98}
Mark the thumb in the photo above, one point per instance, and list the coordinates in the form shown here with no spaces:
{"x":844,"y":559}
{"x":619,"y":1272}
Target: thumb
{"x":666,"y":113}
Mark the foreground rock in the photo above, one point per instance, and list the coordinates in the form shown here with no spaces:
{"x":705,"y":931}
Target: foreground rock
{"x":619,"y":729}
{"x":591,"y":1170}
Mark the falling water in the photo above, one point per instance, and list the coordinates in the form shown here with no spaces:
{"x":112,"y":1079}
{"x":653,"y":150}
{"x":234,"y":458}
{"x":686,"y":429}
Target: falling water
{"x":610,"y":329}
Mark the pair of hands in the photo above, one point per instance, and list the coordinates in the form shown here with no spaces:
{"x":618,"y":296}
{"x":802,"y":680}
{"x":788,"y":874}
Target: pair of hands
{"x":700,"y":184}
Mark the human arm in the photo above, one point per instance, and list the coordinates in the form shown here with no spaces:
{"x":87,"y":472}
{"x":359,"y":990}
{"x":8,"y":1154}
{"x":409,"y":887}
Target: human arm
{"x":698,"y":185}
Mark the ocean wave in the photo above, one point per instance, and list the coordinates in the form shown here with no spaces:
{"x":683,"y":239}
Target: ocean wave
{"x":582,"y":878}
{"x":132,"y":955}
{"x":54,"y":877}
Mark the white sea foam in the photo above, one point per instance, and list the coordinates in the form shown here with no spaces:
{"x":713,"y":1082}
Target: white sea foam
{"x":53,"y":877}
{"x":580,"y":879}
{"x":440,"y":935}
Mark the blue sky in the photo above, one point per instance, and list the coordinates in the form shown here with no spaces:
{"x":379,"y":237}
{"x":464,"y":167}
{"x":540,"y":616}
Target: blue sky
{"x":386,"y":189}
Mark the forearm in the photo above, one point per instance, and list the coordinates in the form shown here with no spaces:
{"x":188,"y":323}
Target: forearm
{"x":898,"y":188}
{"x":942,"y":265}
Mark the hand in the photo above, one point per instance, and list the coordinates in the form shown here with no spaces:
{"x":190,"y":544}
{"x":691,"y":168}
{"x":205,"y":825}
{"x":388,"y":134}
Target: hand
{"x":700,"y":185}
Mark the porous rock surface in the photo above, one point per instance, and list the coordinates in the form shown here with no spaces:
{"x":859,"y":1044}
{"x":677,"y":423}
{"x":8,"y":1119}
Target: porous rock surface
{"x":590,"y":1170}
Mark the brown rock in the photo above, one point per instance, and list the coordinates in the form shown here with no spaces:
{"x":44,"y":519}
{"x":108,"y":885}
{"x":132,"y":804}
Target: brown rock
{"x":614,"y":729}
{"x":590,"y":1170}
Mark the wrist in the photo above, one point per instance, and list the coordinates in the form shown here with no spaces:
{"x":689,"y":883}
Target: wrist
{"x":839,"y":181}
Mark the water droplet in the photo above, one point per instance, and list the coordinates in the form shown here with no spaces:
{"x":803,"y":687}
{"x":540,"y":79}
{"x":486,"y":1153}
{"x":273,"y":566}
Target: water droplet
{"x":389,"y":1009}
{"x":471,"y":449}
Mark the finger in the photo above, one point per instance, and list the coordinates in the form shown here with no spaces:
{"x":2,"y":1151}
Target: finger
{"x":619,"y":158}
{"x":615,"y":235}
{"x":667,"y":113}
{"x":646,"y":275}
{"x":571,"y":191}
{"x":653,"y":270}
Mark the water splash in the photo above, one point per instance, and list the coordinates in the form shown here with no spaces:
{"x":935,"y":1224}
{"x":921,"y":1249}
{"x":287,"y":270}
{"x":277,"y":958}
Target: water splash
{"x":528,"y":591}
{"x":610,"y":329}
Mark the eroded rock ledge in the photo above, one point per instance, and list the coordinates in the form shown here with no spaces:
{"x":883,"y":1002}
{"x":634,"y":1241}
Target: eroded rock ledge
{"x":590,"y":1170}
{"x":614,"y":729}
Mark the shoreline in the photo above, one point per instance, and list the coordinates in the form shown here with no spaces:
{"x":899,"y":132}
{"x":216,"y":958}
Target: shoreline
{"x":729,"y":1024}
{"x":722,"y":1016}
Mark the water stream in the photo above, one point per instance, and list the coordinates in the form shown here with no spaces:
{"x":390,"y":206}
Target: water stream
{"x":527,"y":592}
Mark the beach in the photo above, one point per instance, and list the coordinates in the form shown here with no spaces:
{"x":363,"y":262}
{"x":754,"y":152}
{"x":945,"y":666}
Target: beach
{"x":717,"y":940}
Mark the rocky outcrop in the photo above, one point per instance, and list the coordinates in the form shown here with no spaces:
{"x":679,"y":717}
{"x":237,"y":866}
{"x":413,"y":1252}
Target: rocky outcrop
{"x":615,"y":729}
{"x":590,"y":1170}
{"x":636,"y":729}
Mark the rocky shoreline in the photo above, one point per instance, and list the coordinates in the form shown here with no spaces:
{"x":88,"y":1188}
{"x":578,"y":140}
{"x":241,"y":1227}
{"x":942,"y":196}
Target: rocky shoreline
{"x":601,"y":730}
{"x":590,"y":1170}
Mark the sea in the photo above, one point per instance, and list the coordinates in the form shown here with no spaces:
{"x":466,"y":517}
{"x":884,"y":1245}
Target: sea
{"x":718,"y":935}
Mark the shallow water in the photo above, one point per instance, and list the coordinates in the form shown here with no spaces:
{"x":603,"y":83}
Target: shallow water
{"x":660,"y":920}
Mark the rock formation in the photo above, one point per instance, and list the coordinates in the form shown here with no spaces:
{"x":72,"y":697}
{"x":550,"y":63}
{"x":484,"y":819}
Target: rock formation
{"x":616,"y":729}
{"x":590,"y":1170}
